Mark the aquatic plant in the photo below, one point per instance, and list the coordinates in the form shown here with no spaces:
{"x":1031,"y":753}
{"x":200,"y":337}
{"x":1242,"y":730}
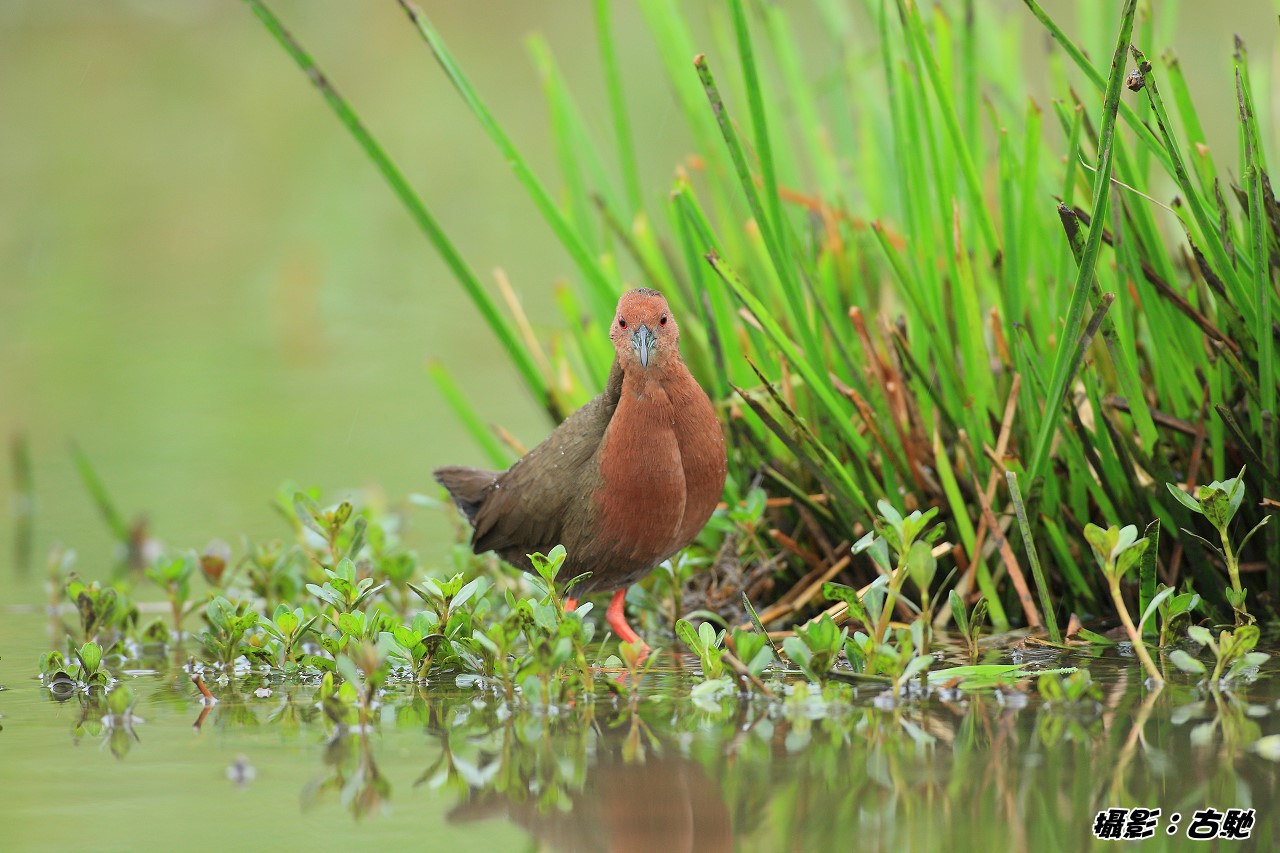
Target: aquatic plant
{"x":705,"y":642}
{"x":969,"y":623}
{"x":1219,"y":502}
{"x":816,"y":646}
{"x":174,"y":577}
{"x":61,"y":676}
{"x":1117,"y":550}
{"x":228,"y":623}
{"x":1234,"y":657}
{"x":104,"y":611}
{"x":912,"y":546}
{"x":1173,"y":609}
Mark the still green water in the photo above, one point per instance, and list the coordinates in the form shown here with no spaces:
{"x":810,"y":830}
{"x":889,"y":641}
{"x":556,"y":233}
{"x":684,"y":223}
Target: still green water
{"x":446,"y":767}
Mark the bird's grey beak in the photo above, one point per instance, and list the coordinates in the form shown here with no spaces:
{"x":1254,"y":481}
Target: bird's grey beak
{"x":643,"y":342}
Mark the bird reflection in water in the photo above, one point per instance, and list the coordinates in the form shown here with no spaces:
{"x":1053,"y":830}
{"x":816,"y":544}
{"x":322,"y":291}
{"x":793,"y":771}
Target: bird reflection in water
{"x":660,"y":803}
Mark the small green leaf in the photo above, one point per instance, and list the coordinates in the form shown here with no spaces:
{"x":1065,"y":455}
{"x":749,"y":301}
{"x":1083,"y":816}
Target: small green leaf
{"x":978,"y":620}
{"x":958,"y":613}
{"x":890,"y":514}
{"x":1154,"y":604}
{"x":1186,"y":662}
{"x":1249,"y":535}
{"x":689,"y":635}
{"x":286,"y":620}
{"x":1200,"y":635}
{"x":917,"y":665}
{"x":922,"y":565}
{"x":90,"y":655}
{"x":1183,"y":498}
{"x":1096,"y":639}
{"x":849,"y":595}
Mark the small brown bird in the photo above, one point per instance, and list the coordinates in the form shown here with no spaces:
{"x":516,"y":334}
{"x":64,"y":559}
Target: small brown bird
{"x":624,"y":483}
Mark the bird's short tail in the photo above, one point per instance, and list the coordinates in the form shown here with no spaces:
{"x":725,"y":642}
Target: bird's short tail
{"x":467,"y":486}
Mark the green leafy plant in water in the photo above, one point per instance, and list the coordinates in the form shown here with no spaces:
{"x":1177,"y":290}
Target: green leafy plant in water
{"x":1117,"y":550}
{"x":922,"y":566}
{"x":910,"y":543}
{"x":417,"y":642}
{"x":752,"y":649}
{"x":546,"y":567}
{"x":1173,"y":609}
{"x":1218,"y":502}
{"x":553,"y":642}
{"x":969,"y":623}
{"x":62,"y":677}
{"x":498,"y":643}
{"x":343,"y":591}
{"x":341,"y":541}
{"x":274,"y":572}
{"x":447,"y":597}
{"x":289,"y":627}
{"x":101,"y":609}
{"x":228,"y":624}
{"x":899,"y":660}
{"x":815,"y":647}
{"x":705,"y":642}
{"x":1234,"y":657}
{"x":174,"y":577}
{"x":895,"y":658}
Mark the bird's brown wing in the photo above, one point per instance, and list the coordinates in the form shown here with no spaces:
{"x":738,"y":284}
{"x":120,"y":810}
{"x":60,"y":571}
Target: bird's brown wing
{"x":547,"y":492}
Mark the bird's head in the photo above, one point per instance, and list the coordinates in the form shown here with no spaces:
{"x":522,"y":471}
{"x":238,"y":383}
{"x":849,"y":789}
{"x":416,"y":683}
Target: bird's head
{"x":644,"y":331}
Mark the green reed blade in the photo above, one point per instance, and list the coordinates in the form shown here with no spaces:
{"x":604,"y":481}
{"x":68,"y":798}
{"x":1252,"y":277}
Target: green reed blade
{"x":618,"y":107}
{"x":781,"y":260}
{"x":1199,"y":211}
{"x":910,"y":14}
{"x":498,"y":453}
{"x":1028,"y":542}
{"x":1260,"y":246}
{"x":1084,"y":276}
{"x":101,"y":497}
{"x":1103,"y":84}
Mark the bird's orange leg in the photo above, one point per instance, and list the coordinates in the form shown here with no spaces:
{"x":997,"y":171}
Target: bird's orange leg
{"x":617,"y":620}
{"x":570,"y":605}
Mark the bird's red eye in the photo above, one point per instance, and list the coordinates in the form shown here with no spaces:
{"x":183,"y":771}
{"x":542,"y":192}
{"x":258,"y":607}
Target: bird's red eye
{"x":663,"y":321}
{"x":622,"y":324}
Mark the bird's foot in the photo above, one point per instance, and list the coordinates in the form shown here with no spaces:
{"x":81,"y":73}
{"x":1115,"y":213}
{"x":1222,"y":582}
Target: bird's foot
{"x":617,"y":619}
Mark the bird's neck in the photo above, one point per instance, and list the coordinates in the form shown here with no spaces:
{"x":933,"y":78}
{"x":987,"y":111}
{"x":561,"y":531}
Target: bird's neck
{"x":639,"y":382}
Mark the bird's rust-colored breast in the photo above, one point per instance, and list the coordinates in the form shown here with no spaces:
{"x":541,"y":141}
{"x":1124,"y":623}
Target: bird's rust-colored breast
{"x":702,"y":454}
{"x":642,"y":489}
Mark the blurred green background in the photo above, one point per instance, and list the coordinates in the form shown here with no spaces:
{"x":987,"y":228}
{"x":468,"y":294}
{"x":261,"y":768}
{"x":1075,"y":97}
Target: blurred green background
{"x":205,"y":283}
